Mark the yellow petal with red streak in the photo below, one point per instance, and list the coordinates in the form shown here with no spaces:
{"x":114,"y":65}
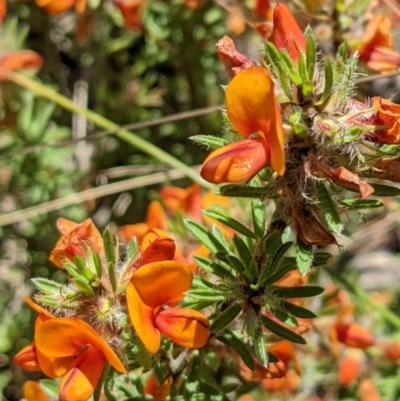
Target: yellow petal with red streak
{"x":142,"y":319}
{"x":252,"y":107}
{"x":66,"y":336}
{"x":236,"y":162}
{"x":162,"y":283}
{"x":185,"y":327}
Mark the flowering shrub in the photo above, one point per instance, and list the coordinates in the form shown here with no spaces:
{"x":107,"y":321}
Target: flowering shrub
{"x":233,"y":292}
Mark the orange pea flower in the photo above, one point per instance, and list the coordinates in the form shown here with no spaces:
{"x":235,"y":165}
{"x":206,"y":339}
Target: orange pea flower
{"x":75,"y":352}
{"x":377,"y":48}
{"x":3,"y":9}
{"x":27,"y":358}
{"x":186,"y":200}
{"x":155,"y":219}
{"x":73,"y":235}
{"x":55,"y":7}
{"x":155,"y":286}
{"x":286,"y":34}
{"x":33,"y":391}
{"x":252,"y":109}
{"x":131,"y":11}
{"x":159,"y":391}
{"x":388,"y":116}
{"x":350,"y":366}
{"x":19,"y":60}
{"x":263,"y":8}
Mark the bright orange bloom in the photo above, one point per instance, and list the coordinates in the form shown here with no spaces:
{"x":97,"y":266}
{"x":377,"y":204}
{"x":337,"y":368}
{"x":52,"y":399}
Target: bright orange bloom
{"x":186,"y":200}
{"x":388,"y":116}
{"x":33,"y":391}
{"x":131,"y":11}
{"x":252,"y":109}
{"x":350,"y":366}
{"x":263,"y":8}
{"x":3,"y":9}
{"x":377,"y":48}
{"x":155,"y":286}
{"x":159,"y":391}
{"x":19,"y":60}
{"x":353,"y":335}
{"x":74,"y":235}
{"x":74,"y":351}
{"x":155,"y":219}
{"x":286,"y":34}
{"x":55,"y":7}
{"x":367,"y":391}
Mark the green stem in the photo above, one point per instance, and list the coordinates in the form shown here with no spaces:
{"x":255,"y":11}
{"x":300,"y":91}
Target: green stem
{"x":102,"y":122}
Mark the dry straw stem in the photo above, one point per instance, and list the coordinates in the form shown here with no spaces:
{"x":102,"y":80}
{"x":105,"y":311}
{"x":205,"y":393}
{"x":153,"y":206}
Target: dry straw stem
{"x":90,"y":194}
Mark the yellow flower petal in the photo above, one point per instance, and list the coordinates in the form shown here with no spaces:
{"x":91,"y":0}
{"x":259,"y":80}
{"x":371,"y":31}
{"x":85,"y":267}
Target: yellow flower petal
{"x":33,"y":391}
{"x":162,"y":283}
{"x":142,"y":319}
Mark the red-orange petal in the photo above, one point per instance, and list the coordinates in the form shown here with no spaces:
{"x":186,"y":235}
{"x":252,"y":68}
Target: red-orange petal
{"x":55,"y":7}
{"x":155,"y":216}
{"x":252,"y":108}
{"x":236,"y":162}
{"x":142,"y":319}
{"x":79,"y":383}
{"x":185,"y":327}
{"x":33,"y":391}
{"x":162,"y":283}
{"x":286,"y":33}
{"x":27,"y":358}
{"x":160,"y":249}
{"x":64,"y":337}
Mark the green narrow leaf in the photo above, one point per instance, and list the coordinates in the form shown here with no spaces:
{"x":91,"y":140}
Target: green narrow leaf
{"x":310,"y":55}
{"x":242,"y":250}
{"x":132,"y":249}
{"x":207,"y":295}
{"x":217,"y":233}
{"x":321,"y":259}
{"x":83,"y":286}
{"x":380,"y":190}
{"x":199,"y":282}
{"x":281,"y":331}
{"x":285,"y":317}
{"x":274,"y":56}
{"x":304,"y":256}
{"x":111,"y":258}
{"x":72,"y":270}
{"x":301,"y":63}
{"x":213,"y":268}
{"x":229,"y":222}
{"x":225,"y":317}
{"x":273,"y":261}
{"x":242,"y":191}
{"x":304,"y":291}
{"x":290,"y":68}
{"x":329,"y":211}
{"x":298,"y":311}
{"x":47,"y":286}
{"x":259,"y":346}
{"x":287,"y":264}
{"x":97,"y":264}
{"x":203,"y":236}
{"x":234,"y":341}
{"x":328,"y":74}
{"x":81,"y":265}
{"x":259,"y":216}
{"x":363,"y":203}
{"x":211,"y":142}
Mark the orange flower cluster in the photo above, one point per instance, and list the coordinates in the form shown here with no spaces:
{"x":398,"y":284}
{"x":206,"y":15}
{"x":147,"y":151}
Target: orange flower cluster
{"x":71,"y":349}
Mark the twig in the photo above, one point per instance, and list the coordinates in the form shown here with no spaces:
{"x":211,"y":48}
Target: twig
{"x":89,"y":194}
{"x":376,"y":77}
